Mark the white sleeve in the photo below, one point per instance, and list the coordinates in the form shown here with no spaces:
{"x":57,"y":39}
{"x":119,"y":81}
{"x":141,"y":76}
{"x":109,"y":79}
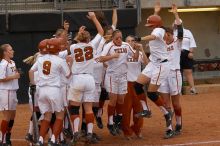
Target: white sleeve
{"x":65,"y":68}
{"x":159,"y":33}
{"x":72,"y":48}
{"x":35,"y":67}
{"x":95,"y":42}
{"x":113,"y":27}
{"x":63,"y":54}
{"x":192,"y":41}
{"x":106,"y":49}
{"x":3,"y":71}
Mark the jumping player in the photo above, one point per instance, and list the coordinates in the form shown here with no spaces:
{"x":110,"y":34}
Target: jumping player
{"x":158,"y":68}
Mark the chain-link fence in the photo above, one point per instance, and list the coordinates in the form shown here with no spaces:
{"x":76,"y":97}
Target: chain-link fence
{"x":20,"y":6}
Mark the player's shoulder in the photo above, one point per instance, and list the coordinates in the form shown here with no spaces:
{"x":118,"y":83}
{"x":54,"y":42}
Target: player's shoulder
{"x":3,"y":63}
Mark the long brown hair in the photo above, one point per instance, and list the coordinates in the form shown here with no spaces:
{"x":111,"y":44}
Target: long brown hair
{"x":2,"y":50}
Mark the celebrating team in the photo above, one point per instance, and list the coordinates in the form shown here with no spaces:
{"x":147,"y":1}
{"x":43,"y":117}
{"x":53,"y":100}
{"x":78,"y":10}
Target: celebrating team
{"x":69,"y":73}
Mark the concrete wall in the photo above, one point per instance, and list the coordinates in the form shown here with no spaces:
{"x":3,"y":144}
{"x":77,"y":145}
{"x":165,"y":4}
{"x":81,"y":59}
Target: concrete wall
{"x":180,"y":3}
{"x":204,"y":26}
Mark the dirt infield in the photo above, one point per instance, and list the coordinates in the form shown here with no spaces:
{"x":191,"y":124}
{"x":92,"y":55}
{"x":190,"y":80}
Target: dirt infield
{"x":201,"y":126}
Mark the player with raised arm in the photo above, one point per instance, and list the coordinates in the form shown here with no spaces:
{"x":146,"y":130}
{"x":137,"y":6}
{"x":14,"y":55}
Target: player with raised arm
{"x":80,"y":91}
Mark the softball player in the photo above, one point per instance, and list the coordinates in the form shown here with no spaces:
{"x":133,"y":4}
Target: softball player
{"x":173,"y":84}
{"x":42,"y":46}
{"x":158,"y":68}
{"x":115,"y":54}
{"x":49,"y":68}
{"x":131,"y":101}
{"x":99,"y":70}
{"x":8,"y":86}
{"x":82,"y":69}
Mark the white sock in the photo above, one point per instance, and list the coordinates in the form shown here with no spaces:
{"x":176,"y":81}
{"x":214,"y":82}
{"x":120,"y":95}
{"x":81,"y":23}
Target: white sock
{"x":66,"y":123}
{"x":31,"y":128}
{"x":170,"y":127}
{"x":144,"y":105}
{"x":110,"y":120}
{"x":163,"y":110}
{"x":76,"y":124}
{"x":89,"y":127}
{"x":53,"y":139}
{"x":0,"y":136}
{"x":41,"y":139}
{"x":178,"y":120}
{"x":50,"y":132}
{"x":100,"y":112}
{"x":61,"y":136}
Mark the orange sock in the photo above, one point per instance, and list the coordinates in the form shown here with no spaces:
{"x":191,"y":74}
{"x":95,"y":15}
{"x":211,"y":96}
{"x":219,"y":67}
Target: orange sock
{"x":111,"y":112}
{"x":44,"y":128}
{"x":57,"y":127}
{"x":142,"y":97}
{"x":89,"y":122}
{"x":101,"y":103}
{"x":4,"y":126}
{"x":159,"y":101}
{"x":178,"y":111}
{"x":119,"y":108}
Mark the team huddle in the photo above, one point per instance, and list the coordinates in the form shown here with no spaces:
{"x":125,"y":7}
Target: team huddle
{"x":67,"y":73}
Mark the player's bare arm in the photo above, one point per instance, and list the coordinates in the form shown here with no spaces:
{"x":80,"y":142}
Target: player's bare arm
{"x":114,"y":17}
{"x":107,"y":58}
{"x":31,"y":77}
{"x":145,"y":60}
{"x":91,"y":16}
{"x":147,"y":38}
{"x":9,"y":78}
{"x":157,"y":8}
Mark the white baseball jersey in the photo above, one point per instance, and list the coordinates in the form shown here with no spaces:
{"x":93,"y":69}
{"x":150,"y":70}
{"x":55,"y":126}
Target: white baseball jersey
{"x":188,"y":39}
{"x":158,"y":48}
{"x":98,"y":66}
{"x":50,"y":68}
{"x":63,"y":55}
{"x":8,"y":69}
{"x":174,"y":50}
{"x":117,"y":65}
{"x":134,"y":68}
{"x":83,"y":56}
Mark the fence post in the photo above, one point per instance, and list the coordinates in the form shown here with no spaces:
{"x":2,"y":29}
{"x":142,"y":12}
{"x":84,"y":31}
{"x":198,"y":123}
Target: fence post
{"x":138,"y":7}
{"x":6,"y":14}
{"x":61,"y":11}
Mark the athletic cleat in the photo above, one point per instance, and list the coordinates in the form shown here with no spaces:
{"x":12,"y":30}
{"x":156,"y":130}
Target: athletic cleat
{"x":39,"y":143}
{"x":29,"y":137}
{"x":169,"y":133}
{"x":67,"y":133}
{"x":193,"y":92}
{"x":178,"y":129}
{"x":63,"y":143}
{"x":144,"y":114}
{"x":76,"y":138}
{"x":8,"y":139}
{"x":96,"y":136}
{"x":117,"y":120}
{"x":168,"y":118}
{"x":112,"y":129}
{"x":99,"y":122}
{"x":50,"y":143}
{"x":90,"y":139}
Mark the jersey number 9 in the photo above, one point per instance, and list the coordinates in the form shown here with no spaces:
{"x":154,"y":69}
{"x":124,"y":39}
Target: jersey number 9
{"x":46,"y":67}
{"x":79,"y":57}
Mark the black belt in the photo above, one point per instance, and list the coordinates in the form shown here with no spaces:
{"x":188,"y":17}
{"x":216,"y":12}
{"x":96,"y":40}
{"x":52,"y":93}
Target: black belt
{"x":164,"y":61}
